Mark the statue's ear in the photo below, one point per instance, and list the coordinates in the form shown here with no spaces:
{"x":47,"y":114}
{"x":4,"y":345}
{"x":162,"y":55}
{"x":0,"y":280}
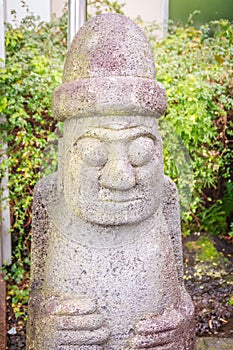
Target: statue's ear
{"x":61,"y":157}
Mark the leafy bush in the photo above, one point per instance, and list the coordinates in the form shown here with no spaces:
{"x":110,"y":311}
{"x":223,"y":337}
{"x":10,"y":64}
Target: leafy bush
{"x":100,"y":6}
{"x":33,"y":68}
{"x":196,"y":67}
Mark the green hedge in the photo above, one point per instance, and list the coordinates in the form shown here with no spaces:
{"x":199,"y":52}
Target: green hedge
{"x":196,"y":67}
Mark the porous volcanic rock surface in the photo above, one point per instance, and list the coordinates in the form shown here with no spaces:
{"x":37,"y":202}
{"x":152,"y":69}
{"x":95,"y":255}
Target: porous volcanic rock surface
{"x":210,"y":293}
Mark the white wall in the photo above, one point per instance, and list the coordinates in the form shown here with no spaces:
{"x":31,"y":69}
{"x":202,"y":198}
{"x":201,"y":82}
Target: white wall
{"x":41,"y":8}
{"x":57,"y":7}
{"x":148,"y":10}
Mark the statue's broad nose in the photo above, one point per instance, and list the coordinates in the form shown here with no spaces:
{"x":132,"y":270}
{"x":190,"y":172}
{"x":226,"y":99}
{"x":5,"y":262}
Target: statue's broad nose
{"x":118,"y":175}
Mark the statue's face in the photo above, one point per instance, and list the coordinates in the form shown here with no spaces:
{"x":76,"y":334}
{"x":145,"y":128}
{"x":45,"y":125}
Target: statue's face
{"x":113,"y":173}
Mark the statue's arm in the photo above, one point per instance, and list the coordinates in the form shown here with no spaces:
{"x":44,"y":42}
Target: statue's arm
{"x":39,"y":238}
{"x":75,"y":318}
{"x":38,"y":256}
{"x":171,"y":211}
{"x":174,"y":328}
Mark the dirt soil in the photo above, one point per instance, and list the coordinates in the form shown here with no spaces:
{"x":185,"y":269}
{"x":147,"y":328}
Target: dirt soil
{"x":208,"y":275}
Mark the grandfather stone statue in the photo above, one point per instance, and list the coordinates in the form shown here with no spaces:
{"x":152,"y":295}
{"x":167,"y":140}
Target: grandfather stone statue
{"x":106,"y":254}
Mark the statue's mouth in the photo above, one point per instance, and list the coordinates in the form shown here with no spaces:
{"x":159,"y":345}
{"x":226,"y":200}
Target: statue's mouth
{"x":116,"y":200}
{"x":114,"y":196}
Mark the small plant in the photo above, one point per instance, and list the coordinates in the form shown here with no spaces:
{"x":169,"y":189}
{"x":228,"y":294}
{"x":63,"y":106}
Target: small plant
{"x":230,"y":302}
{"x":97,"y":7}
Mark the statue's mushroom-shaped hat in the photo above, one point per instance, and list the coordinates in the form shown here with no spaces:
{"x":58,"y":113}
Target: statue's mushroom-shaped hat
{"x":109,"y":70}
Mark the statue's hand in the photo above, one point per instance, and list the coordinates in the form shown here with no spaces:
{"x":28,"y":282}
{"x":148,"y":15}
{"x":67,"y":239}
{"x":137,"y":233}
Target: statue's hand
{"x":72,"y":323}
{"x":174,"y":329}
{"x":160,"y":332}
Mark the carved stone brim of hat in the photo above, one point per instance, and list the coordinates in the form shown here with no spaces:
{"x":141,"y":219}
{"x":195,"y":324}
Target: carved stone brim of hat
{"x":109,"y":70}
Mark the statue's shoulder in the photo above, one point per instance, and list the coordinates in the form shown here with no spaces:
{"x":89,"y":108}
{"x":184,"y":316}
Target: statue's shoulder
{"x":46,"y":189}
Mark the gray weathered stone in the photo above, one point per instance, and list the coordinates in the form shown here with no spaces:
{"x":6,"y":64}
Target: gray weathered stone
{"x":106,"y":254}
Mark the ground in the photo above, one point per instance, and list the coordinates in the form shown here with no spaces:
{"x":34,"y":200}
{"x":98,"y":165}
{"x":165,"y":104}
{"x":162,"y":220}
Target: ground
{"x":208,"y":277}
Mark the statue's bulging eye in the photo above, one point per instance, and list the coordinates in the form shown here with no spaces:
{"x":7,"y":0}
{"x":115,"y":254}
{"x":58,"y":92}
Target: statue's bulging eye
{"x":92,"y":151}
{"x":141,"y":151}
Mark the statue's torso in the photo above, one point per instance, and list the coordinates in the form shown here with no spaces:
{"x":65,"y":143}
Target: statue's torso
{"x":131,"y":280}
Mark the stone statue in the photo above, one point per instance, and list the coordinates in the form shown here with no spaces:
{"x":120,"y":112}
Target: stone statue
{"x":106,"y":252}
